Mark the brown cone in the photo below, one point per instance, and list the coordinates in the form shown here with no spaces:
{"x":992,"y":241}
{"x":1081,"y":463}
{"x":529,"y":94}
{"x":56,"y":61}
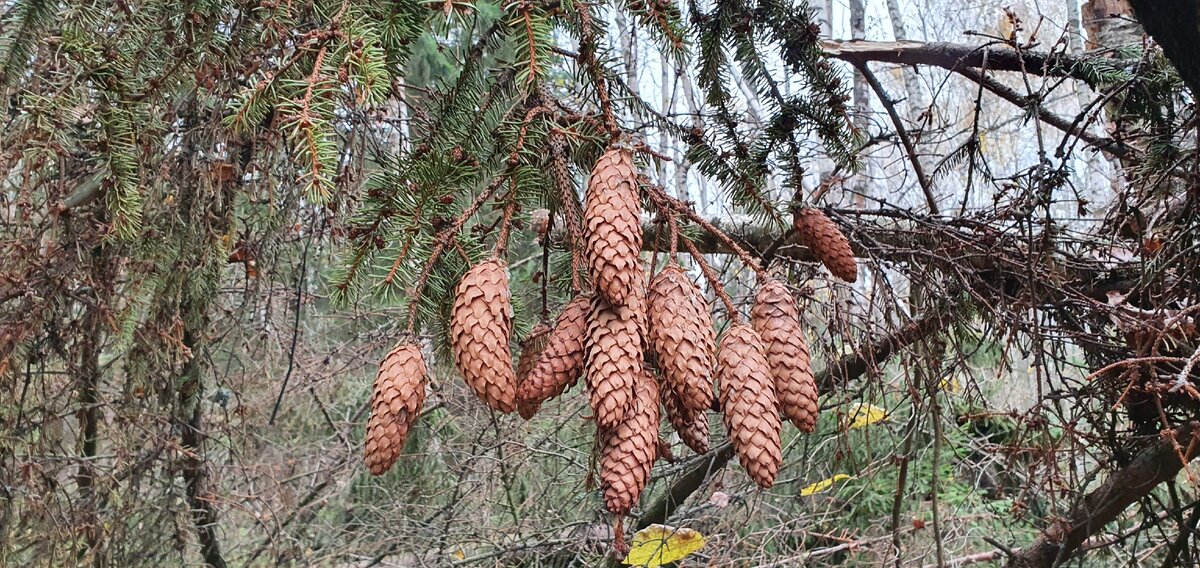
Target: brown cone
{"x":558,"y":366}
{"x":777,"y":322}
{"x":480,"y":324}
{"x":822,"y":236}
{"x":691,"y":425}
{"x":628,"y":451}
{"x":396,"y":401}
{"x":614,"y":359}
{"x":531,"y":348}
{"x":612,"y":227}
{"x":748,"y":398}
{"x":682,"y":336}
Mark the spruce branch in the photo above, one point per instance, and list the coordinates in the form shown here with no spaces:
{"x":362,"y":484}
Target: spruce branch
{"x":587,"y":55}
{"x":666,"y":202}
{"x":568,"y":201}
{"x":714,"y":282}
{"x":448,"y":238}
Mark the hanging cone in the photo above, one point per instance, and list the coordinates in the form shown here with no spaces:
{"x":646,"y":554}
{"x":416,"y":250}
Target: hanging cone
{"x":531,"y":348}
{"x":396,"y":400}
{"x":480,"y":325}
{"x":691,"y":425}
{"x":748,"y":398}
{"x":612,"y":227}
{"x":628,"y":451}
{"x":822,"y":236}
{"x":777,"y":322}
{"x":682,"y":337}
{"x":558,"y":366}
{"x":614,"y":359}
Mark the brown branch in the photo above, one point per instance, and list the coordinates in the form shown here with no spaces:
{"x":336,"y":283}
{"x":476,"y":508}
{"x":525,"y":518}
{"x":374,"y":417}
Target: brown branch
{"x":714,"y":282}
{"x":967,"y":60}
{"x":448,"y":237}
{"x":665,"y":201}
{"x":1154,"y":465}
{"x":955,"y":56}
{"x":587,"y":55}
{"x":1114,"y":147}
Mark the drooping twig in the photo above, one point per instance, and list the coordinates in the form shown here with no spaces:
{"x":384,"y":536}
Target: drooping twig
{"x":587,"y":55}
{"x":665,"y":201}
{"x":510,"y":207}
{"x":448,"y":237}
{"x":567,"y":201}
{"x":714,"y":282}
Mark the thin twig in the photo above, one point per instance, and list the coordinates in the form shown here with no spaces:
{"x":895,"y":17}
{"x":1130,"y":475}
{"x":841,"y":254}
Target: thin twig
{"x":909,"y":147}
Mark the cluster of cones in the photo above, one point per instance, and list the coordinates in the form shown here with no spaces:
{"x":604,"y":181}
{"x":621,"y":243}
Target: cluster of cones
{"x":644,"y":350}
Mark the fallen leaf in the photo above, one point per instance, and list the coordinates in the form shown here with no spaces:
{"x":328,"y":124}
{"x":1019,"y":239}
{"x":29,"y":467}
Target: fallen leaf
{"x":862,"y":414}
{"x":657,"y":545}
{"x":823,"y":485}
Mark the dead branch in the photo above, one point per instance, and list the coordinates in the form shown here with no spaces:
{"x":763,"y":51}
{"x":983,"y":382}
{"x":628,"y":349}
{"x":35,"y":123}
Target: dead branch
{"x":953,"y":56}
{"x":1154,"y":465}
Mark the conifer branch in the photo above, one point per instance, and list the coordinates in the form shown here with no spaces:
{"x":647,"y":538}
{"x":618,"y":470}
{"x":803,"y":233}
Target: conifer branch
{"x":448,"y":237}
{"x":666,"y":202}
{"x":587,"y":55}
{"x":714,"y":282}
{"x":568,"y":202}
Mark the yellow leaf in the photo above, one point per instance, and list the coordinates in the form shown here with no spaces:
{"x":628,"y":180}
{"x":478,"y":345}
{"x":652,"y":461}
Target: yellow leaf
{"x":950,"y":385}
{"x":862,"y":414}
{"x":983,"y":144}
{"x":822,"y":485}
{"x":458,"y":554}
{"x":657,"y":545}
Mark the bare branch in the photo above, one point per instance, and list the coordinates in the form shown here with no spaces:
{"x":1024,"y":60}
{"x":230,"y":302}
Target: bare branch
{"x":954,"y":56}
{"x":1152,"y":466}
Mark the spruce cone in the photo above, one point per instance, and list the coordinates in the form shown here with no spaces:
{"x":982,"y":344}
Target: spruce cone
{"x":531,"y":348}
{"x":558,"y":366}
{"x":777,"y":322}
{"x":682,"y":336}
{"x":612,"y":227}
{"x":396,"y":401}
{"x":628,"y":451}
{"x":748,"y":398}
{"x":614,"y":359}
{"x":480,"y":324}
{"x":822,"y":236}
{"x":691,"y":425}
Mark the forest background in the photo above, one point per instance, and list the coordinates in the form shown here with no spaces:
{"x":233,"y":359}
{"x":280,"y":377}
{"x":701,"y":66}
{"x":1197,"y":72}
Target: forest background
{"x":218,"y":216}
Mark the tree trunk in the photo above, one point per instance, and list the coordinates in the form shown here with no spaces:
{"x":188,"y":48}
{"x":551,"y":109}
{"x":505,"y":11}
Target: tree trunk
{"x":862,"y":99}
{"x":1175,"y":25}
{"x":1074,"y":28}
{"x":915,"y":98}
{"x":191,"y":438}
